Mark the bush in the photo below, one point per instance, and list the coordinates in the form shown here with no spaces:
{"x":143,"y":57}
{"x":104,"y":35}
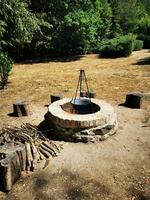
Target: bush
{"x":137,"y":45}
{"x":5,"y":63}
{"x":117,"y":47}
{"x":5,"y":68}
{"x":146,"y":40}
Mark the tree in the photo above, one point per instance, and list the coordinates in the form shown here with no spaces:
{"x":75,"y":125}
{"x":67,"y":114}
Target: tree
{"x":17,"y":27}
{"x":115,"y":26}
{"x":130,"y":13}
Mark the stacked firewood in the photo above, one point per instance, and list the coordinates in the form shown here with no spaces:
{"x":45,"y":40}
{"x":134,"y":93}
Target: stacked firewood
{"x":37,"y":146}
{"x":21,"y":149}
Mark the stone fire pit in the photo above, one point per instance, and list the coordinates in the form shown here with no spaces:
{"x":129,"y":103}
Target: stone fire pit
{"x":98,"y":123}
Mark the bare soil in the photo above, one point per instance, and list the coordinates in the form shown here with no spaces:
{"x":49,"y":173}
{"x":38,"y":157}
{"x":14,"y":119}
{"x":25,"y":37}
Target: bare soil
{"x":118,"y":168}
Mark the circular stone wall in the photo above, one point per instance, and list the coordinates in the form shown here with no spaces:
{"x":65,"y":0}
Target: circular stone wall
{"x":63,"y":119}
{"x":76,"y":127}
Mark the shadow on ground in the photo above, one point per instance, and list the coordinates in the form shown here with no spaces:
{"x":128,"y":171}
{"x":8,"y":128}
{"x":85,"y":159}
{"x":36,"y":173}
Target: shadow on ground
{"x":69,"y":58}
{"x":67,"y":185}
{"x":145,"y":61}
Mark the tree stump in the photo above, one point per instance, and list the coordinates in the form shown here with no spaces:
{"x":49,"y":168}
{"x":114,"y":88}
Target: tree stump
{"x":56,"y":97}
{"x":13,"y":157}
{"x":89,"y":94}
{"x":134,"y":100}
{"x":20,"y":109}
{"x":10,"y":171}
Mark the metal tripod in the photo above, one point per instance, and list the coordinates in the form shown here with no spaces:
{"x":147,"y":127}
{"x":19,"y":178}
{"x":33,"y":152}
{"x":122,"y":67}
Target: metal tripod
{"x":82,"y":78}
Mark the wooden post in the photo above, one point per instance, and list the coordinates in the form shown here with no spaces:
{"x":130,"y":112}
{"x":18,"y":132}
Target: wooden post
{"x":134,"y":100}
{"x":20,"y":109}
{"x":56,"y":97}
{"x":89,"y":94}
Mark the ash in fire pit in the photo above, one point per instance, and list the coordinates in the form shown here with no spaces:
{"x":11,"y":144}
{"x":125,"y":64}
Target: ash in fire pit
{"x":82,"y":118}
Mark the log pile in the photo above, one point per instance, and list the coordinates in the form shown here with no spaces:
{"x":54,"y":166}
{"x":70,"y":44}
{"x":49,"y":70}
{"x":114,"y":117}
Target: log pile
{"x":21,"y":149}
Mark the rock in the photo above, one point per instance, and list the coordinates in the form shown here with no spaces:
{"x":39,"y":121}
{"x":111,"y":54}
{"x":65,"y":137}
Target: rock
{"x":87,"y":138}
{"x":87,"y":132}
{"x":104,"y":137}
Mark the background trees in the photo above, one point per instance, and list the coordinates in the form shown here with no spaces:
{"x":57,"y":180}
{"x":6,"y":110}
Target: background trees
{"x":31,"y":28}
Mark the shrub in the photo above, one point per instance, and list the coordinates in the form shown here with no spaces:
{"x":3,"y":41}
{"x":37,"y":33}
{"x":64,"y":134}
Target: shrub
{"x":137,"y":45}
{"x":5,"y":68}
{"x":117,"y":47}
{"x":146,"y":40}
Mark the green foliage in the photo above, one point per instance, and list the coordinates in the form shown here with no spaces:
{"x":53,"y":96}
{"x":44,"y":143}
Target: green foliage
{"x":130,"y":12}
{"x":117,"y":47}
{"x":78,"y":33}
{"x":115,"y":26}
{"x":137,"y":45}
{"x":105,"y":21}
{"x":21,"y":23}
{"x":5,"y":64}
{"x":31,"y":28}
{"x":145,"y":39}
{"x":144,"y":25}
{"x":5,"y":68}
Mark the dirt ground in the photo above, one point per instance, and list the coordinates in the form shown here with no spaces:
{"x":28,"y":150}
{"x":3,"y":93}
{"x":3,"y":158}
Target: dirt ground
{"x":118,"y":168}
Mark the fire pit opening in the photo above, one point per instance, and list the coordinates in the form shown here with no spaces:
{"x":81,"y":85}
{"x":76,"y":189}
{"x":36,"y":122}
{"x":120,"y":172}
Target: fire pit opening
{"x":86,"y":109}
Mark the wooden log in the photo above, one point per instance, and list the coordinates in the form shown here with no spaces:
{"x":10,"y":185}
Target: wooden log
{"x":56,"y":97}
{"x":20,"y":109}
{"x":29,"y":156}
{"x":52,"y":147}
{"x":56,"y":147}
{"x":22,"y":157}
{"x":40,"y":154}
{"x":45,"y":153}
{"x":52,"y":153}
{"x":10,"y":171}
{"x":35,"y":155}
{"x":134,"y":100}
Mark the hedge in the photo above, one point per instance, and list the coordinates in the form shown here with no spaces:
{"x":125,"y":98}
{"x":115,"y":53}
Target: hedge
{"x":137,"y":45}
{"x":116,"y":47}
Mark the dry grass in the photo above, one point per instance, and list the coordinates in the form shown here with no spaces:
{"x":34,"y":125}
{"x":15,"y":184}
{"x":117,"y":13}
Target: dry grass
{"x":111,"y":79}
{"x":115,"y":169}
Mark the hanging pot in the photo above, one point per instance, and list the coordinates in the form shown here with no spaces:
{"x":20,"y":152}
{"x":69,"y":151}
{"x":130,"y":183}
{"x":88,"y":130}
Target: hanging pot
{"x":81,"y":104}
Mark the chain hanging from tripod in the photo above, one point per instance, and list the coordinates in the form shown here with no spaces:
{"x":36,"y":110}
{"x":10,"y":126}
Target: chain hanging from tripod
{"x":79,"y":90}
